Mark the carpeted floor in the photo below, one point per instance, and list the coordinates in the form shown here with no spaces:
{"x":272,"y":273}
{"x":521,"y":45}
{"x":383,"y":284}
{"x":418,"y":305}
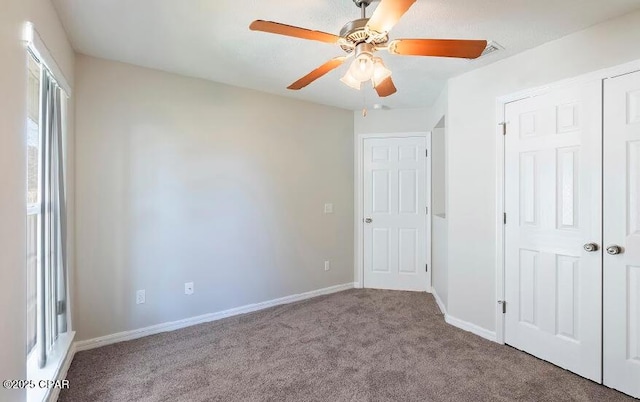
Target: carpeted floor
{"x":357,"y":345}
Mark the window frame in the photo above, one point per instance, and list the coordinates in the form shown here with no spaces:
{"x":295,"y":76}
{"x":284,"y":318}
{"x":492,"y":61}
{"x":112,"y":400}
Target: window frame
{"x":59,"y":350}
{"x":34,"y":208}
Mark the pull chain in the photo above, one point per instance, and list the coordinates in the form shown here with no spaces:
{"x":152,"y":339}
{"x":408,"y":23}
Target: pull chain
{"x":364,"y":104}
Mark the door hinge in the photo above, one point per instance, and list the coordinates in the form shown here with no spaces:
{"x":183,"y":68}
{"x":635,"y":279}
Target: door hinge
{"x":61,"y":307}
{"x":504,"y":218}
{"x":427,"y":209}
{"x":426,"y":153}
{"x":426,"y":268}
{"x":504,"y":128}
{"x":504,"y":306}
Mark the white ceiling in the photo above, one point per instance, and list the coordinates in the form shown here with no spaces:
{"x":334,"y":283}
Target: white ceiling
{"x":211,"y":39}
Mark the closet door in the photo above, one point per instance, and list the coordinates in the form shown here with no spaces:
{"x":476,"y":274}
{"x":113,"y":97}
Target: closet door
{"x":553,"y":200}
{"x":621,"y":328}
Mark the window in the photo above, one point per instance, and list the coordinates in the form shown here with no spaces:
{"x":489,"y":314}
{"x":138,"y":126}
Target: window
{"x":46,"y":213}
{"x":33,"y":209}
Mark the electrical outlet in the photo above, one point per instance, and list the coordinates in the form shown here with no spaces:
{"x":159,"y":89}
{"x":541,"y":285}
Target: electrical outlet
{"x":188,"y":288}
{"x":140,"y":297}
{"x":328,"y":208}
{"x":327,"y":265}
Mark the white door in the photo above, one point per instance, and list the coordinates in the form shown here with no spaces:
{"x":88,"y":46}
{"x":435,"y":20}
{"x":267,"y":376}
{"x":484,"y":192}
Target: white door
{"x":553,"y":173}
{"x":622,"y":230}
{"x":395,"y":211}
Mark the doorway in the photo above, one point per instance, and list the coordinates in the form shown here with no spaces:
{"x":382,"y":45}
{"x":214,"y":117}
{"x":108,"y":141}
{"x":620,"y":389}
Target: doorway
{"x":394,"y":217}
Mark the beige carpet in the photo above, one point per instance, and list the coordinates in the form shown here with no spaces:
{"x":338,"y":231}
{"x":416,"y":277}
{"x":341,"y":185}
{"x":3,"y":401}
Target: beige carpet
{"x":357,"y":345}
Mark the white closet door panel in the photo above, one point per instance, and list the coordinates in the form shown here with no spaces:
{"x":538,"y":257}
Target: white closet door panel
{"x":622,"y":228}
{"x":553,"y":205}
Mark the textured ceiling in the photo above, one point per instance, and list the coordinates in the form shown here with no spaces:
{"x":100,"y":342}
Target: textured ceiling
{"x":211,"y":39}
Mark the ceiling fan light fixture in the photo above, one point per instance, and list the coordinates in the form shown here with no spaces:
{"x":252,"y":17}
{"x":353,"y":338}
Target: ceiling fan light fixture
{"x":348,"y":80}
{"x":362,"y":67}
{"x":380,"y":72}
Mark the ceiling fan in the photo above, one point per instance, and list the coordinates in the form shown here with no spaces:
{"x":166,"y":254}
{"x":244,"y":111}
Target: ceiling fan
{"x":361,"y":38}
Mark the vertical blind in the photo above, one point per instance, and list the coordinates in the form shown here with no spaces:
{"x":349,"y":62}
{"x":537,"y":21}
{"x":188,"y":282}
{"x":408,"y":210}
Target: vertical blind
{"x":52,"y":275}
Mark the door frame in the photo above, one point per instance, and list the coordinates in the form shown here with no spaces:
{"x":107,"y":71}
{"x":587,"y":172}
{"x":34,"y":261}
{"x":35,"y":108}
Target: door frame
{"x":501,"y":102}
{"x":359,"y":202}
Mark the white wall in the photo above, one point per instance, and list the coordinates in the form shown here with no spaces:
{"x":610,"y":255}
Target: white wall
{"x":440,"y":236}
{"x":440,"y":258}
{"x":438,"y":171}
{"x":391,"y":121}
{"x":401,"y":120}
{"x":13,"y":115}
{"x":471,"y":126}
{"x":181,"y":179}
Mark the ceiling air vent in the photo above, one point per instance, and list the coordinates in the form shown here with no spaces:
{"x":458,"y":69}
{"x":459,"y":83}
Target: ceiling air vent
{"x":491,"y":48}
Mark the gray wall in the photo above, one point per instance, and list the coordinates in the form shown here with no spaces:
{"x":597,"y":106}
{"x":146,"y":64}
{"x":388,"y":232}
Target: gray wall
{"x":180,"y":179}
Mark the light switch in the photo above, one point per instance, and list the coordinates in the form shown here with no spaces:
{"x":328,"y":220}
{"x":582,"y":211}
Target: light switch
{"x":328,"y":208}
{"x":188,"y":288}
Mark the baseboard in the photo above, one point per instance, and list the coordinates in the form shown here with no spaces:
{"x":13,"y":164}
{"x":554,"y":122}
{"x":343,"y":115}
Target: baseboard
{"x":473,"y":328}
{"x":187,"y":322}
{"x":456,"y":322}
{"x":54,"y":393}
{"x":441,"y":305}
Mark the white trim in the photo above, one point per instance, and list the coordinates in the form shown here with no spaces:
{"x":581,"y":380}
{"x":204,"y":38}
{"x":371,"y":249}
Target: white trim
{"x":359,"y":201}
{"x":439,"y":302}
{"x":54,"y":393}
{"x":501,"y":102}
{"x":58,"y":362}
{"x":469,"y":327}
{"x":429,"y":218}
{"x":188,"y":322}
{"x":35,"y":43}
{"x":500,"y":210}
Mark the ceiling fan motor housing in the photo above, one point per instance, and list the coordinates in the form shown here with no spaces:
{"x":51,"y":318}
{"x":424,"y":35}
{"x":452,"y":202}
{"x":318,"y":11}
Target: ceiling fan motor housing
{"x":355,"y":33}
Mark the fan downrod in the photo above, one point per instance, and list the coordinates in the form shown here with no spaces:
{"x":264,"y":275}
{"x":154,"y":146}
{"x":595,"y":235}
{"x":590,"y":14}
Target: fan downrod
{"x":362,"y":5}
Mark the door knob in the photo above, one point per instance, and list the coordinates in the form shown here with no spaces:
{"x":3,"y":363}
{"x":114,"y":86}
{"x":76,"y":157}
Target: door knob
{"x":368,"y":220}
{"x":591,"y":247}
{"x":614,"y":250}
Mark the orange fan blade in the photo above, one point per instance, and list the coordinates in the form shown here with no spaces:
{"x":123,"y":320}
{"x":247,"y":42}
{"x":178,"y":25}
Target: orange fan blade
{"x":289,"y":30}
{"x":386,"y":88}
{"x":317,"y":73}
{"x":388,"y":14}
{"x":465,"y":49}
